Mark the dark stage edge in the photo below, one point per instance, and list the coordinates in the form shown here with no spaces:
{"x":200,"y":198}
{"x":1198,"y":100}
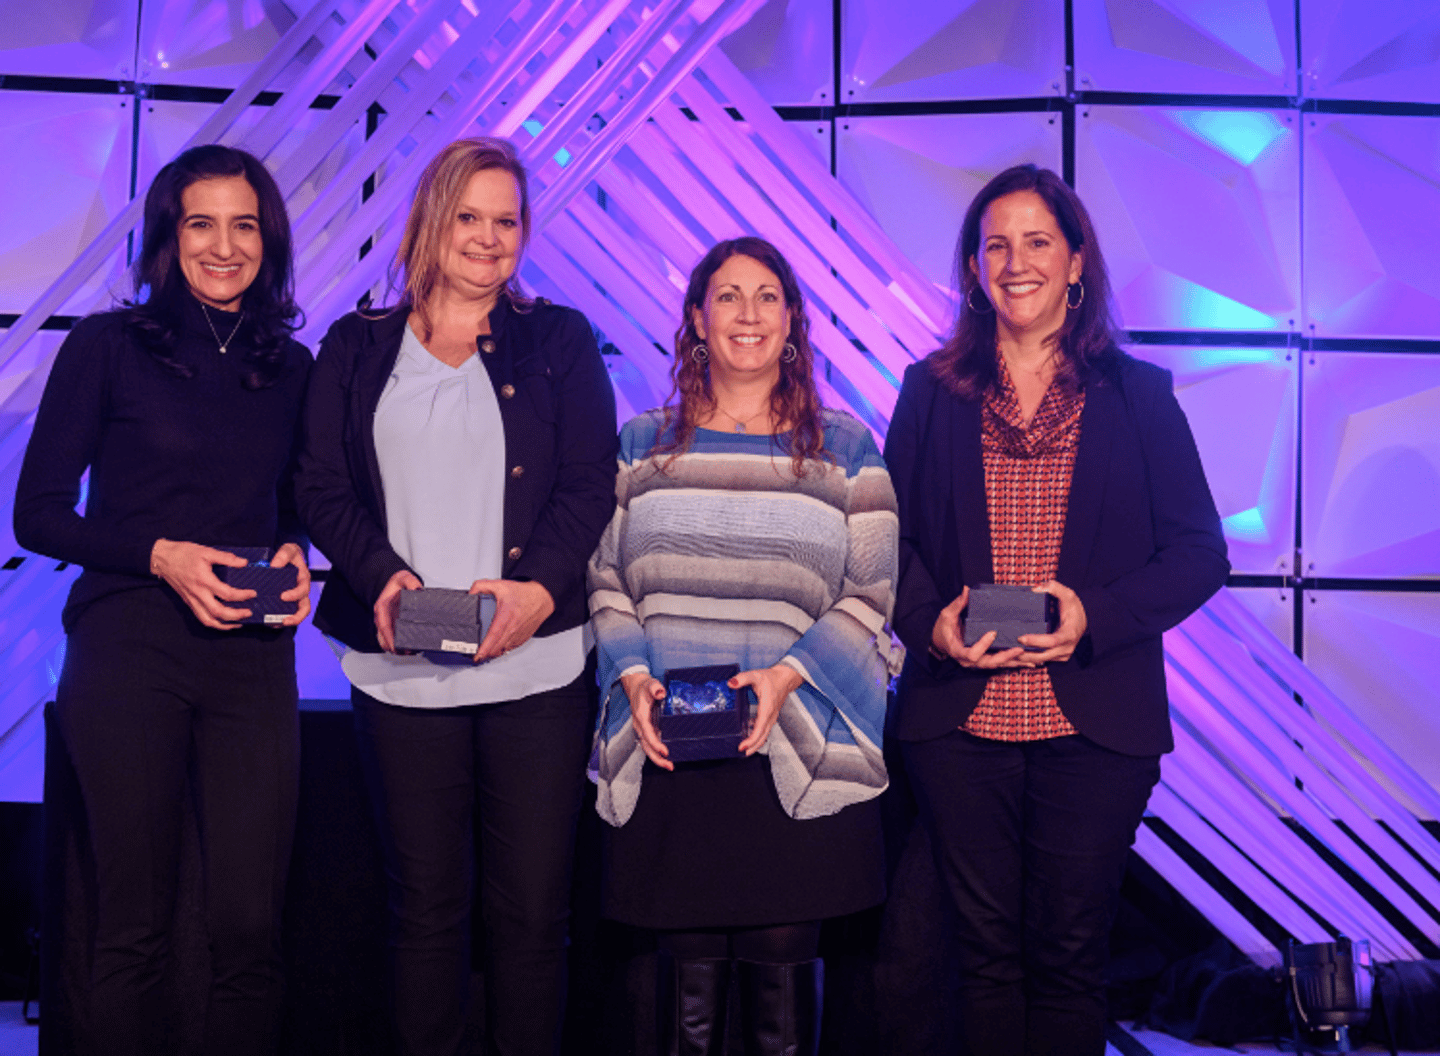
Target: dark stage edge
{"x":889,"y":984}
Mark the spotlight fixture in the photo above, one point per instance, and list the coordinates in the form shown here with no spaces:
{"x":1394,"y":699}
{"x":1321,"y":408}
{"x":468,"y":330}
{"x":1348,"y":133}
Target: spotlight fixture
{"x":1330,"y":988}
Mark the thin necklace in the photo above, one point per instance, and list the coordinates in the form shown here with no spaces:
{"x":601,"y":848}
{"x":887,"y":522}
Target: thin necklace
{"x":740,"y":422}
{"x":224,"y":345}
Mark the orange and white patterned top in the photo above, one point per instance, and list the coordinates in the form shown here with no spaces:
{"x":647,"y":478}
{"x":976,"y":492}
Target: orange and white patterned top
{"x":1027,"y":491}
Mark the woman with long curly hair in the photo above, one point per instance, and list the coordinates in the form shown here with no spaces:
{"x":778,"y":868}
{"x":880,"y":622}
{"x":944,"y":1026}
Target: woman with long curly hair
{"x":183,"y":407}
{"x":757,"y":529}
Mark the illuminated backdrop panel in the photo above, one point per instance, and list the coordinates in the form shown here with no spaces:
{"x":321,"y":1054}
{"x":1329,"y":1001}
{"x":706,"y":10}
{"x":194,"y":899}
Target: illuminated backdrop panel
{"x":200,"y":42}
{"x":1372,"y":224}
{"x":787,"y":50}
{"x":1355,"y":49}
{"x":916,"y":174}
{"x":967,"y":49}
{"x":1198,"y":212}
{"x":75,"y":38}
{"x":1240,"y":47}
{"x":1381,"y":653}
{"x":1372,"y":465}
{"x":66,"y":172}
{"x":1241,"y":407}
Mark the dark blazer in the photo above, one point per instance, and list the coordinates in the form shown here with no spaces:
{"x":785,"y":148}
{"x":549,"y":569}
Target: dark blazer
{"x":1142,"y":547}
{"x":558,"y":413}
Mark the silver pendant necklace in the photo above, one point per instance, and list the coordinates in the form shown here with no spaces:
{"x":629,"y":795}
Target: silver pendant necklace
{"x":224,"y":345}
{"x":740,"y":423}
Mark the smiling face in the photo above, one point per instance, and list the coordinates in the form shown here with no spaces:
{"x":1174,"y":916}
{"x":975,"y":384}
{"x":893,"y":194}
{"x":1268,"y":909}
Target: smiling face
{"x":483,"y":246}
{"x":744,"y":321}
{"x":219,"y":245}
{"x":1024,"y":266}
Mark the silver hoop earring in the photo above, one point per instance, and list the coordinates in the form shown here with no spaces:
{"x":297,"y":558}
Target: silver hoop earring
{"x":789,"y":354}
{"x":1081,"y":301}
{"x":970,"y":302}
{"x":700,"y":352}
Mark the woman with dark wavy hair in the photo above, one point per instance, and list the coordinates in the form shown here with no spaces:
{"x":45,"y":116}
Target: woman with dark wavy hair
{"x":1031,"y":451}
{"x":756,"y":529}
{"x":183,"y":407}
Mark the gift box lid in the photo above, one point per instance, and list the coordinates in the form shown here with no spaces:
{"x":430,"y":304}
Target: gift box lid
{"x":441,"y":605}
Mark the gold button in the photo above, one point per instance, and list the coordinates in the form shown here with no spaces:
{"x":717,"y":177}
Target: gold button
{"x":507,"y":391}
{"x":518,"y":471}
{"x":487,"y":345}
{"x":513,"y":553}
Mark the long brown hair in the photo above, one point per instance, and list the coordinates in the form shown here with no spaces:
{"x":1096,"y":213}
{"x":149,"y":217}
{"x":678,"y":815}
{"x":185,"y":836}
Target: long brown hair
{"x":794,"y":400}
{"x":966,"y":362}
{"x":432,"y":212}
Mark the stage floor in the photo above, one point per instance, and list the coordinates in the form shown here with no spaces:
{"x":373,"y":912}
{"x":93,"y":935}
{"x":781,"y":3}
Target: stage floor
{"x":17,"y":1038}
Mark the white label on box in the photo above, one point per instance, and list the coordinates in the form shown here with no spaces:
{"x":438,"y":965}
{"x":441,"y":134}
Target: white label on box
{"x":448,"y":646}
{"x":274,"y":617}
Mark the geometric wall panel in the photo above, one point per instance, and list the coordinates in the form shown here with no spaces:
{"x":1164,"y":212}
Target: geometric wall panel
{"x":916,"y":175}
{"x":1356,"y":49}
{"x":1380,"y":653}
{"x":66,"y":172}
{"x":200,"y":42}
{"x":1198,"y":213}
{"x":74,"y":38}
{"x":166,"y":126}
{"x":1244,"y":47}
{"x":1372,"y":224}
{"x":1241,"y":406}
{"x":787,"y":51}
{"x":963,"y":49}
{"x":1274,"y":608}
{"x":1371,"y":466}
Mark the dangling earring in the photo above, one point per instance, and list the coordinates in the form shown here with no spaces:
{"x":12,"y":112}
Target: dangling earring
{"x":789,"y":354}
{"x":1081,"y":301}
{"x":970,"y":302}
{"x":700,"y":352}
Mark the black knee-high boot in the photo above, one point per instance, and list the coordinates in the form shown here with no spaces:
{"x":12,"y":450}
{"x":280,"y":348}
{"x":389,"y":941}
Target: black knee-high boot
{"x":780,"y":1006}
{"x":690,"y":999}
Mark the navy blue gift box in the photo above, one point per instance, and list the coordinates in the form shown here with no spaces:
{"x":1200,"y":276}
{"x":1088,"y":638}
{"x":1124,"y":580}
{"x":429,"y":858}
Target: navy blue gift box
{"x":701,"y":717}
{"x":1009,"y":612}
{"x":447,"y":623}
{"x":266,"y":607}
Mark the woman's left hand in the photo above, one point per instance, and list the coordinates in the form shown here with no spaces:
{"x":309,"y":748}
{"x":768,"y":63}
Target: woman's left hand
{"x":292,"y":554}
{"x":520,"y":608}
{"x":1061,"y":644}
{"x":771,"y":685}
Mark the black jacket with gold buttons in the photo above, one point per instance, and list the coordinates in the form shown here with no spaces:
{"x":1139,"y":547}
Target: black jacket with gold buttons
{"x":558,"y":413}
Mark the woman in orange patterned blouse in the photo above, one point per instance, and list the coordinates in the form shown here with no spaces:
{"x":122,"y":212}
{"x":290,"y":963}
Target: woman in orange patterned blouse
{"x":1031,"y":451}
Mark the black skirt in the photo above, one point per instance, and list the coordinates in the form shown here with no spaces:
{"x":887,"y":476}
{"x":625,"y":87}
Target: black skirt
{"x":709,"y":846}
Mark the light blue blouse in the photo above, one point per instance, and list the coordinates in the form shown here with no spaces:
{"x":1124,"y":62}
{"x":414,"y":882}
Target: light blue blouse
{"x":441,"y":448}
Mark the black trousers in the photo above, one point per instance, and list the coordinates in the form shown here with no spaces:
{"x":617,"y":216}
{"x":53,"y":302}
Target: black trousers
{"x":147,"y":696}
{"x":521,"y":765}
{"x":1030,"y":841}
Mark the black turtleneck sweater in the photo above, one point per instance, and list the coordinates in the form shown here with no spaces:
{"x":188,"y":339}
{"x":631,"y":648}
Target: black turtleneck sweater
{"x":201,"y":459}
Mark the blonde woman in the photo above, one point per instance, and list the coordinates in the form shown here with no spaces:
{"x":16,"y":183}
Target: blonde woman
{"x":466,"y":439}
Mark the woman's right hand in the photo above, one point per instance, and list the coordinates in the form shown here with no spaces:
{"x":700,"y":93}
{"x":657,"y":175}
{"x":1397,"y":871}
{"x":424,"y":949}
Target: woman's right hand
{"x":643,"y":690}
{"x":189,"y":569}
{"x":948,"y":640}
{"x":389,"y":603}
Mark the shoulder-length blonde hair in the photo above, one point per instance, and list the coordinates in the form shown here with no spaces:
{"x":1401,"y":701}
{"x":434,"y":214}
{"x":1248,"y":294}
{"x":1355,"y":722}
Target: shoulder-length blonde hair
{"x":794,"y":401}
{"x":433,"y":210}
